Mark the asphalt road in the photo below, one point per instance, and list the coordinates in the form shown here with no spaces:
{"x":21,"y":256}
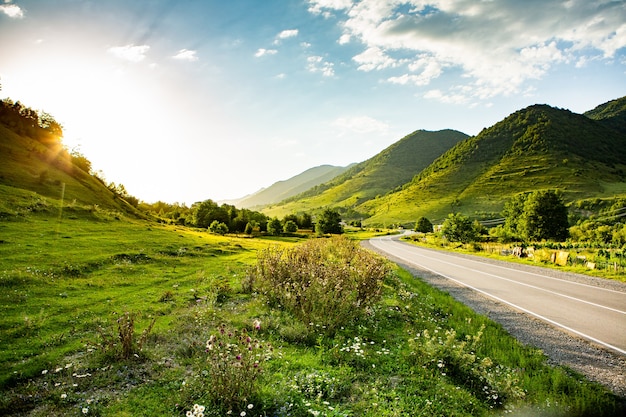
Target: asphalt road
{"x":592,"y":312}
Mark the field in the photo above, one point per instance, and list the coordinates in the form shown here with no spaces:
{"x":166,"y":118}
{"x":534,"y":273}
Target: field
{"x":104,"y":315}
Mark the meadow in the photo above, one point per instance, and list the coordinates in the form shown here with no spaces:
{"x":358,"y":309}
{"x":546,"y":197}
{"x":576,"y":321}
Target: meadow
{"x":103,"y":315}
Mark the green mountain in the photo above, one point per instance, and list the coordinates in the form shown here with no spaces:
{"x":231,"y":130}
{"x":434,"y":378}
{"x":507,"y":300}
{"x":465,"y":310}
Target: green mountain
{"x":37,"y":172}
{"x":539,"y":147}
{"x":612,"y":114}
{"x":282,"y":190}
{"x":389,"y":169}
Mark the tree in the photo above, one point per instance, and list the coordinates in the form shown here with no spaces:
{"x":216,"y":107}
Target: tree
{"x":423,"y":225}
{"x":205,"y":212}
{"x":218,"y":227}
{"x":329,"y":222}
{"x":274,"y":227}
{"x":290,"y":227}
{"x":459,"y":228}
{"x":539,"y":215}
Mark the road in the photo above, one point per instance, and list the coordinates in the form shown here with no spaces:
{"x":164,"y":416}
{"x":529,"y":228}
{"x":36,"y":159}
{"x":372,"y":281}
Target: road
{"x":592,"y":312}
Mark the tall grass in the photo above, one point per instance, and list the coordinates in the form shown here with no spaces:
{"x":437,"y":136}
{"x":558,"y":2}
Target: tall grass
{"x":327,"y":282}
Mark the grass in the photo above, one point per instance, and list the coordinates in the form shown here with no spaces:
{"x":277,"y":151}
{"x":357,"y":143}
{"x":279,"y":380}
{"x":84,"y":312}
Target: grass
{"x":541,"y":258}
{"x":62,"y":283}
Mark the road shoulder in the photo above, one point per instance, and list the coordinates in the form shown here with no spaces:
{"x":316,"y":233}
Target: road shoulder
{"x":596,"y":363}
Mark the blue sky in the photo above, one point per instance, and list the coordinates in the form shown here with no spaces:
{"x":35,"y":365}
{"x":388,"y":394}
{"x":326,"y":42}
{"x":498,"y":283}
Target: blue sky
{"x":187,"y":100}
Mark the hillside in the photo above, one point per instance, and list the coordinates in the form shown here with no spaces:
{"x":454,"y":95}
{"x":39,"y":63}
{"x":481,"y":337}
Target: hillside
{"x":380,"y":174}
{"x":36,"y":174}
{"x":282,"y":190}
{"x":612,"y":114}
{"x":538,"y":147}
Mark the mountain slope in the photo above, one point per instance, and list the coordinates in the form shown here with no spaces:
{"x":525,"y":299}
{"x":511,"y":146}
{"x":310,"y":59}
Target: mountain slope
{"x":282,"y":190}
{"x":33,"y":175}
{"x":612,"y":114}
{"x":387,"y":170}
{"x":535,"y":148}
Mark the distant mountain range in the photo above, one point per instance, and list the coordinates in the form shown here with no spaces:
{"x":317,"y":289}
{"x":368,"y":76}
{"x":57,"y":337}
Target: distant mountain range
{"x":425,"y":173}
{"x":283,"y":190}
{"x":436,"y":173}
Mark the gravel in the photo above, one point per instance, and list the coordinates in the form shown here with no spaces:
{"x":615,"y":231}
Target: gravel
{"x":598,"y":364}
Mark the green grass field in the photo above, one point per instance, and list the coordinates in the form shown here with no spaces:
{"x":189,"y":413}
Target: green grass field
{"x":66,"y":278}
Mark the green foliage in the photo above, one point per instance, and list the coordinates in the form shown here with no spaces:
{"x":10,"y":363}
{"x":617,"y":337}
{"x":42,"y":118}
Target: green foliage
{"x":457,"y":358}
{"x":235,"y":362}
{"x":218,"y":227}
{"x":290,"y":227}
{"x":329,"y":222}
{"x":459,"y":228}
{"x":423,"y":225}
{"x":329,"y":282}
{"x":535,"y":216}
{"x":274,"y":227}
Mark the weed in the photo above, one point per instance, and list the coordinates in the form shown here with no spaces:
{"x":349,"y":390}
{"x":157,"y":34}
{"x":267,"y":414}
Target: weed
{"x":234,"y":365}
{"x":126,"y":344}
{"x":329,"y":282}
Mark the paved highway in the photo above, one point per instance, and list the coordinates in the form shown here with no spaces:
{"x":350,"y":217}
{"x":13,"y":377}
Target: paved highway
{"x":588,"y":311}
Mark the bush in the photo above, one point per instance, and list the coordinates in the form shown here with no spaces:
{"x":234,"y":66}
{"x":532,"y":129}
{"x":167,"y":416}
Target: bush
{"x":328,"y":282}
{"x":126,"y":344}
{"x":234,"y":364}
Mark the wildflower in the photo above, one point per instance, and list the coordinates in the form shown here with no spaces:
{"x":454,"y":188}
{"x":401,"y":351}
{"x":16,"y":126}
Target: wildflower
{"x":85,"y":410}
{"x":250,"y":406}
{"x":242,"y":414}
{"x":63,"y":396}
{"x":45,"y":371}
{"x":257,"y":324}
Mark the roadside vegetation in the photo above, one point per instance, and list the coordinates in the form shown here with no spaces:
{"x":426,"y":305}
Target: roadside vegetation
{"x":539,"y":228}
{"x":105,"y":315}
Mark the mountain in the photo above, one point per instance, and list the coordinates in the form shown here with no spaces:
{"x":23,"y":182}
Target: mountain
{"x":282,"y":190}
{"x":612,"y":114}
{"x":539,"y":147}
{"x":36,"y":173}
{"x":391,"y":168}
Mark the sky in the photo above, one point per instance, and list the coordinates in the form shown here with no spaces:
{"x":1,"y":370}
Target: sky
{"x":188,"y":100}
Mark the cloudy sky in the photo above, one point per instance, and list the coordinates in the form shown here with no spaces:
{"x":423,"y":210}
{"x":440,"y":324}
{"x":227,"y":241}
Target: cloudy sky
{"x":187,"y":100}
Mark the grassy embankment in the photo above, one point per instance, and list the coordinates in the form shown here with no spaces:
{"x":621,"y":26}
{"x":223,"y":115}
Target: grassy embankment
{"x":65,"y":282}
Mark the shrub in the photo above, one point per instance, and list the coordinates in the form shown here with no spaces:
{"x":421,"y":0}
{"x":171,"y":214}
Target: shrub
{"x":457,"y":359}
{"x":234,"y":364}
{"x":328,"y":282}
{"x":126,"y":344}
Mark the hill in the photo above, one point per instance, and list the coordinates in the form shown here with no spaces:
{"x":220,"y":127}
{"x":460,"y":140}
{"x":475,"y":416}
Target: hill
{"x":36,"y":171}
{"x":389,"y":169}
{"x":612,"y":114}
{"x":282,"y":190}
{"x":539,"y":147}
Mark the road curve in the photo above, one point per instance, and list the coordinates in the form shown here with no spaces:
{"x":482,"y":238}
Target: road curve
{"x":591,"y":312}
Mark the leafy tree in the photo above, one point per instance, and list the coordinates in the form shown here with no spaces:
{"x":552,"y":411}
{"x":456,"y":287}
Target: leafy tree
{"x":423,"y":225}
{"x":305,"y":221}
{"x":218,"y":227}
{"x":329,"y":222}
{"x":274,"y":227}
{"x":249,"y":229}
{"x":539,"y":215}
{"x":290,"y":227}
{"x":205,"y":212}
{"x":459,"y":228}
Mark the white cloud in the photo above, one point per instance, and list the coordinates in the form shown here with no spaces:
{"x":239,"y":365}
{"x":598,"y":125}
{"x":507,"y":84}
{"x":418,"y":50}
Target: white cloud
{"x":319,"y":6}
{"x":374,"y":58}
{"x":290,"y":33}
{"x":12,"y":10}
{"x":318,"y":64}
{"x":262,"y":52}
{"x":132,"y":53}
{"x":186,"y":55}
{"x":491,"y":47}
{"x":361,"y":124}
